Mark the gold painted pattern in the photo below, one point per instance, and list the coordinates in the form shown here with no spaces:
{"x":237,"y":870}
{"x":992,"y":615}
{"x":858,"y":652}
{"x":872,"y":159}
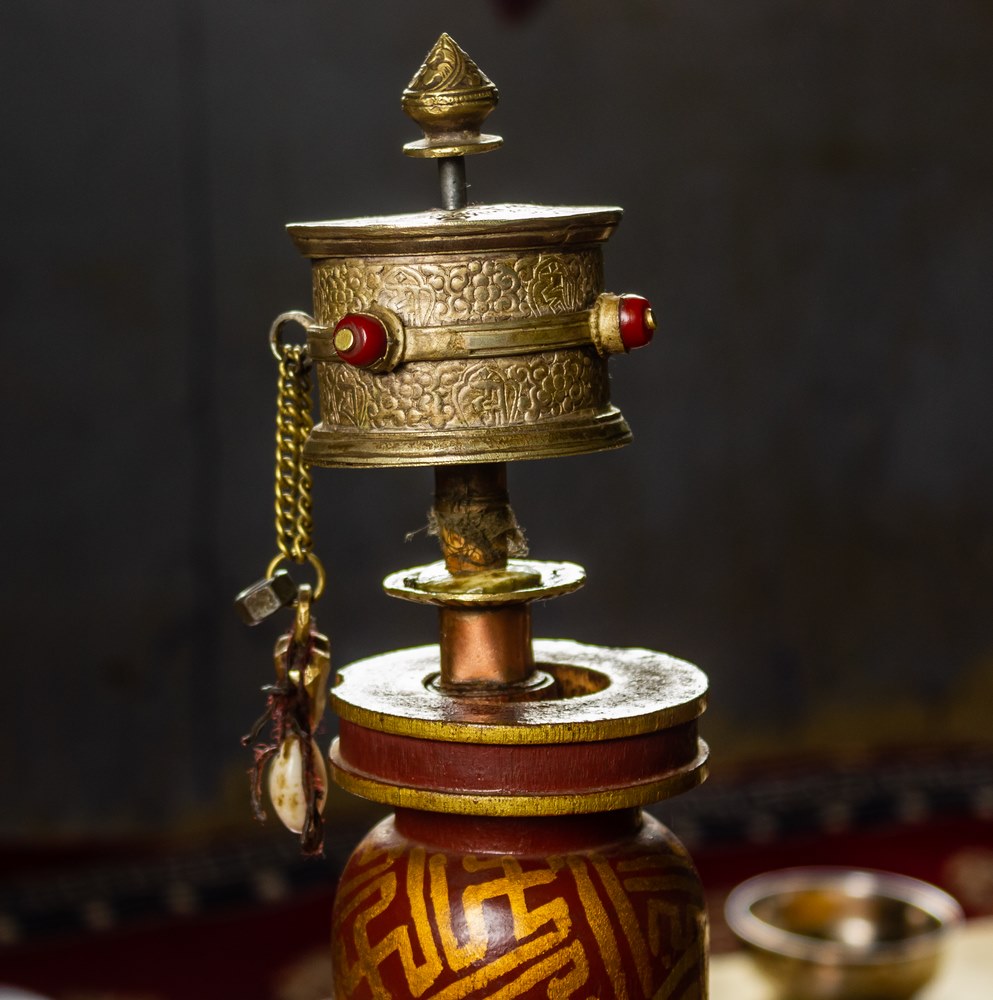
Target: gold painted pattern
{"x":512,"y":931}
{"x":438,"y":291}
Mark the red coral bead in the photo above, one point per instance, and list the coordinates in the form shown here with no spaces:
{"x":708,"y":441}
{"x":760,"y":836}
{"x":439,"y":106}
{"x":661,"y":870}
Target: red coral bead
{"x":636,"y":321}
{"x":360,"y":339}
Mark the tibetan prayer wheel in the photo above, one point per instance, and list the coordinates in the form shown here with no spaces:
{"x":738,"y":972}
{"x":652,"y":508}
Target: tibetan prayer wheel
{"x":474,"y":335}
{"x":519,"y":861}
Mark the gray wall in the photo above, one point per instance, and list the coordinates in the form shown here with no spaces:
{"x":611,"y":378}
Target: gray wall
{"x":806,"y":509}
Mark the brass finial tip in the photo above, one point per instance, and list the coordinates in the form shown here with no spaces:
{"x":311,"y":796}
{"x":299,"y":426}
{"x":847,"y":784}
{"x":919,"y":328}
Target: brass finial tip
{"x":450,"y":98}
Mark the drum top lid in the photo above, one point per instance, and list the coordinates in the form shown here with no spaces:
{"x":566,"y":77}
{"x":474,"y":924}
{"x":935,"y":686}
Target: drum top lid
{"x":476,"y":227}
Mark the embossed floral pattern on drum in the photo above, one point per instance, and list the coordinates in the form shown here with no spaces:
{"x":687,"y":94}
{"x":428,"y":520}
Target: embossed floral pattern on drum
{"x":437,"y":291}
{"x":489,"y":392}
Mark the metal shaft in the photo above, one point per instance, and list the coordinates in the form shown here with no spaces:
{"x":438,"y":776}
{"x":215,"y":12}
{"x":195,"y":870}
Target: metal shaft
{"x":451,"y":175}
{"x":474,"y":519}
{"x":489,"y":646}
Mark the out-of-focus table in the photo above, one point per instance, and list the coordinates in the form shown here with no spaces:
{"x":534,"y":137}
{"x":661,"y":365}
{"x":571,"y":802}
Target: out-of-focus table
{"x":967,"y":972}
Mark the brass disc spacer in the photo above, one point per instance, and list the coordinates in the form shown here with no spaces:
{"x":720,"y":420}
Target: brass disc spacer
{"x":522,"y":580}
{"x":622,"y":732}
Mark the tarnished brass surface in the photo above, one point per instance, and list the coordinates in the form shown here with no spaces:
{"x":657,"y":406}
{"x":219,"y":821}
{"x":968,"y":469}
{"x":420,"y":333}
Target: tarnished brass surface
{"x":605,"y":324}
{"x":450,"y":97}
{"x":491,"y":410}
{"x":360,"y":449}
{"x":489,"y":340}
{"x":521,"y":580}
{"x":496,"y":337}
{"x":493,"y":356}
{"x":472,"y":398}
{"x":510,"y":226}
{"x":437,"y":290}
{"x":468,"y":396}
{"x":640,"y":691}
{"x":441,"y":307}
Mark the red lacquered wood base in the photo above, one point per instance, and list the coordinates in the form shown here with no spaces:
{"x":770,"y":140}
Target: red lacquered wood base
{"x":604,"y":905}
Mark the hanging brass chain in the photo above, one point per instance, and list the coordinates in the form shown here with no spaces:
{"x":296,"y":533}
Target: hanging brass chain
{"x":294,"y":522}
{"x":294,"y":422}
{"x":293,"y":481}
{"x":297,"y":776}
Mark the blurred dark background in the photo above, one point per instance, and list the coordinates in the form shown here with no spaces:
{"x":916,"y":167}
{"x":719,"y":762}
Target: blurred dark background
{"x":806,"y":510}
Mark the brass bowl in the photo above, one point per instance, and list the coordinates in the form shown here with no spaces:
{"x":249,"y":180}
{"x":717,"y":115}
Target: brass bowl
{"x":832,"y":933}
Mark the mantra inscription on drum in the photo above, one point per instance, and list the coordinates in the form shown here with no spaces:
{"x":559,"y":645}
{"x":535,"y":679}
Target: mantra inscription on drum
{"x":441,"y":290}
{"x":492,"y":392}
{"x":419,"y":923}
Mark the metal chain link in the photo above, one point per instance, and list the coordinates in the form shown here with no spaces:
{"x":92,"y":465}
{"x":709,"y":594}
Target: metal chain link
{"x":294,"y":421}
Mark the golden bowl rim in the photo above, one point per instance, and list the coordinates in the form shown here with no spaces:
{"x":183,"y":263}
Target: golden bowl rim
{"x":752,"y":930}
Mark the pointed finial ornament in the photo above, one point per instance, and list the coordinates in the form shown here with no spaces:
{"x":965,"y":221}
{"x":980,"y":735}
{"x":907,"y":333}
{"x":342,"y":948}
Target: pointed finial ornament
{"x":450,"y":98}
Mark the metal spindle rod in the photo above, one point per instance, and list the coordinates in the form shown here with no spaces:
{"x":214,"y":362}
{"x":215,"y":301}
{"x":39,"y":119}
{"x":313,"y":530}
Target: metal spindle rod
{"x":451,"y":175}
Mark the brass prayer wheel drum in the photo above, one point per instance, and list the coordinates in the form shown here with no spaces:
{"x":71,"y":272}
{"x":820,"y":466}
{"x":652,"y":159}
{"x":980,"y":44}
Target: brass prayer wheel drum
{"x":476,"y":335}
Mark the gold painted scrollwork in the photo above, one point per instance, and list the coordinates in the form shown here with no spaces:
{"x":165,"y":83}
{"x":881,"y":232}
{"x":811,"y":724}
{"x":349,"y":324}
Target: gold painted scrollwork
{"x":470,"y":926}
